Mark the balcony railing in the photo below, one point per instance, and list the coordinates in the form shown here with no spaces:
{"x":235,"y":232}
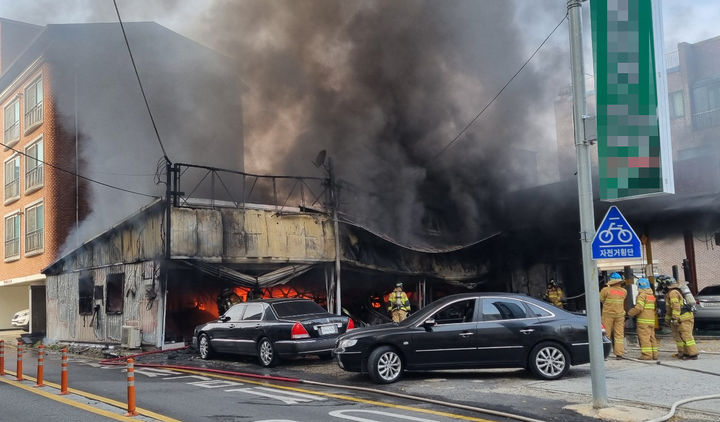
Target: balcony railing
{"x":706,"y":119}
{"x":34,"y":177}
{"x":12,"y":248}
{"x":34,"y":115}
{"x":12,"y":189}
{"x":34,"y":240}
{"x":672,"y":60}
{"x":12,"y":133}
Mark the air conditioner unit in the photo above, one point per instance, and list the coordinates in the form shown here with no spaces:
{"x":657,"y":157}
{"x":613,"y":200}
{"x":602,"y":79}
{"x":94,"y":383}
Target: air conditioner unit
{"x":131,"y":337}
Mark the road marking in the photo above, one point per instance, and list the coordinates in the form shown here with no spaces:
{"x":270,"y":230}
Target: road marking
{"x":342,"y":414}
{"x":106,"y":400}
{"x":287,"y":397}
{"x":341,"y":397}
{"x":65,"y":400}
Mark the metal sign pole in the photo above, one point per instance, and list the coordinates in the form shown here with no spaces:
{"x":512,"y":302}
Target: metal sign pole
{"x":587,"y":218}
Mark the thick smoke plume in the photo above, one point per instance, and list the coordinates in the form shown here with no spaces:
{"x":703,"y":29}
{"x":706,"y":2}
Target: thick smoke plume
{"x":383,"y":87}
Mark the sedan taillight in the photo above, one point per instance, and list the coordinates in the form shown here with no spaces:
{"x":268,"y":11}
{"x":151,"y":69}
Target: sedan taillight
{"x":298,"y":331}
{"x":351,"y":324}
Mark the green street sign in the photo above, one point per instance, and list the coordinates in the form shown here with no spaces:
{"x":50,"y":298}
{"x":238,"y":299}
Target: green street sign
{"x":633,"y":127}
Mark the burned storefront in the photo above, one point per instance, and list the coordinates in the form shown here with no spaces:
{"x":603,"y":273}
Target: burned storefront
{"x":122,"y":284}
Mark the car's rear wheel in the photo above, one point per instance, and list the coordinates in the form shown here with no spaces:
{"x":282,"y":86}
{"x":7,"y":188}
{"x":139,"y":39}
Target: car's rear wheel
{"x":549,"y":361}
{"x":266,"y":353}
{"x":204,"y":347}
{"x":385,"y":365}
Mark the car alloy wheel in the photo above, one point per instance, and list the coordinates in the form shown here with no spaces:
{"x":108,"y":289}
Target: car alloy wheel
{"x":385,"y":365}
{"x":266,"y":353}
{"x":549,"y":361}
{"x":204,"y":346}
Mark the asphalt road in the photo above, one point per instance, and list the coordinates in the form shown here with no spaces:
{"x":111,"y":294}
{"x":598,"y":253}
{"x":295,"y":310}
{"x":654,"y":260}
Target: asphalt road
{"x":174,"y":394}
{"x":20,"y":405}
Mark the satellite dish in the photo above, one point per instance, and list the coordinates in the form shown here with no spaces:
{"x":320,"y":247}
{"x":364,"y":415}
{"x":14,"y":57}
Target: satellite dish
{"x":320,"y":159}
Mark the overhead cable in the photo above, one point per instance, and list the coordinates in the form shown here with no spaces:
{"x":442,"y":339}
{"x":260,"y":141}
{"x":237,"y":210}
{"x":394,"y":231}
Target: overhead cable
{"x":78,"y":175}
{"x":142,"y":90}
{"x":462,"y":132}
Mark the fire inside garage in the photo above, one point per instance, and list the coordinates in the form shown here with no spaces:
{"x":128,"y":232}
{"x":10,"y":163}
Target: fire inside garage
{"x":135,"y":275}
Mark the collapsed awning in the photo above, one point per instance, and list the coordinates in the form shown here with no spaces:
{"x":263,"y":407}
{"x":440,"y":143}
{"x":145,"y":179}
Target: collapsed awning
{"x":270,"y":279}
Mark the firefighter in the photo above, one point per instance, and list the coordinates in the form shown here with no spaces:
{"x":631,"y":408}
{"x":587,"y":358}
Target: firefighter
{"x":644,"y":309}
{"x":680,"y":318}
{"x":612,"y":298}
{"x":554,"y":294}
{"x":226,"y":299}
{"x":398,"y":303}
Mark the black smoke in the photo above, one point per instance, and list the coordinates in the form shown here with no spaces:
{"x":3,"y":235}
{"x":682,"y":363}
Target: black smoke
{"x":384,"y":87}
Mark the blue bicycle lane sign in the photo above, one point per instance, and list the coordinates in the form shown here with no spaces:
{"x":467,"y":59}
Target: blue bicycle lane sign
{"x":615,"y":239}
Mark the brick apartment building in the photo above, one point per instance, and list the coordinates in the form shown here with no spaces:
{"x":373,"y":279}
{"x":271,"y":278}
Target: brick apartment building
{"x":66,"y":89}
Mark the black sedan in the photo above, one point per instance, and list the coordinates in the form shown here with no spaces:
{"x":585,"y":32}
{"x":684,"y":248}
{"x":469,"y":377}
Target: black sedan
{"x":473,"y":330}
{"x":271,"y":329}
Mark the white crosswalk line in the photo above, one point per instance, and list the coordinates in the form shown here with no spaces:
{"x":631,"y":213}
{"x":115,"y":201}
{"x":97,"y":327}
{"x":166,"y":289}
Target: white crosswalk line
{"x":286,"y":397}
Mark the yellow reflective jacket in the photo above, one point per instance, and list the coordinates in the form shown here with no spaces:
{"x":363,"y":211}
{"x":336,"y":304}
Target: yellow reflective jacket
{"x":613,"y":300}
{"x":673,"y":306}
{"x":554,"y":295}
{"x":398,"y":300}
{"x":644,"y":307}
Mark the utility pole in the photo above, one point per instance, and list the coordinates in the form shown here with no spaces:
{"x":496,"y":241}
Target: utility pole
{"x":336,"y":229}
{"x":587,"y":217}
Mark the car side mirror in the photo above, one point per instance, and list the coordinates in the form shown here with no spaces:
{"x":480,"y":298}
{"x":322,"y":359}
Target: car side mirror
{"x":224,"y":318}
{"x":428,"y":324}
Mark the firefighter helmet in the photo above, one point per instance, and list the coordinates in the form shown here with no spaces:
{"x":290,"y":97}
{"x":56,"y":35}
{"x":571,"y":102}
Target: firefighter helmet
{"x":664,"y":281}
{"x":643,"y":283}
{"x":552,"y":283}
{"x":614,"y":279}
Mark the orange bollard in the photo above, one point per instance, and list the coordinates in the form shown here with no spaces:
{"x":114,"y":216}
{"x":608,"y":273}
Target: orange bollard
{"x":40,"y":366}
{"x":131,"y":388}
{"x":64,"y":374}
{"x":2,"y":357}
{"x":19,"y":376}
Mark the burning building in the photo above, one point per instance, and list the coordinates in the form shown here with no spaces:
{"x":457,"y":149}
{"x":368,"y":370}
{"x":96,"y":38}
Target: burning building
{"x":162,"y":270}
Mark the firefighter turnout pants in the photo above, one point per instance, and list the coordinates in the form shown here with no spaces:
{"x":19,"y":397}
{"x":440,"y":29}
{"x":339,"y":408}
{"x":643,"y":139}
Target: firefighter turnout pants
{"x":398,"y":315}
{"x":615,"y":328}
{"x":684,"y":339}
{"x":648,"y":342}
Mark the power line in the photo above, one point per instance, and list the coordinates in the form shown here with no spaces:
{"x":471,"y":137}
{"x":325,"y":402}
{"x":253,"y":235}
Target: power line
{"x":462,"y":132}
{"x":142,"y":90}
{"x":78,"y":175}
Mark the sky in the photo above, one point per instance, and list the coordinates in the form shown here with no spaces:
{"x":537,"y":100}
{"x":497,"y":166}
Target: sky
{"x":384,"y":86}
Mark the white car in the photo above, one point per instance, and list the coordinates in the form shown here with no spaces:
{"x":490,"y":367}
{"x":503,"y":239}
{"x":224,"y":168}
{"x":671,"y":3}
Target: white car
{"x":21,"y":319}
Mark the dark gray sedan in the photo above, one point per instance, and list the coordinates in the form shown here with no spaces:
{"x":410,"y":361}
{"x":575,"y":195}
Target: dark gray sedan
{"x":707,"y":312}
{"x":271,"y":329}
{"x":473,"y":330}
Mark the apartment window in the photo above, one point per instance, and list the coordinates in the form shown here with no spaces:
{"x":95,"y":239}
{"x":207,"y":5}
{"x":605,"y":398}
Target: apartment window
{"x":34,"y":165}
{"x":12,"y":122}
{"x":34,"y":227}
{"x":85,"y":291}
{"x":677,"y":105}
{"x":33,"y":104}
{"x":12,"y":179}
{"x":706,"y":105}
{"x":12,"y":236}
{"x":115,"y":284}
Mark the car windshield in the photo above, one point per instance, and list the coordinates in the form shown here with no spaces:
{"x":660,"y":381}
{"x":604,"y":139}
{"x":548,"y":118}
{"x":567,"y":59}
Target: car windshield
{"x":710,"y":291}
{"x":298,"y":307}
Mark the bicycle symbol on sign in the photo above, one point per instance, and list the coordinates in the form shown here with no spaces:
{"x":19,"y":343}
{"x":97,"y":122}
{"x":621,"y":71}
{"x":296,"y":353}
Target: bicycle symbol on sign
{"x":623,"y":235}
